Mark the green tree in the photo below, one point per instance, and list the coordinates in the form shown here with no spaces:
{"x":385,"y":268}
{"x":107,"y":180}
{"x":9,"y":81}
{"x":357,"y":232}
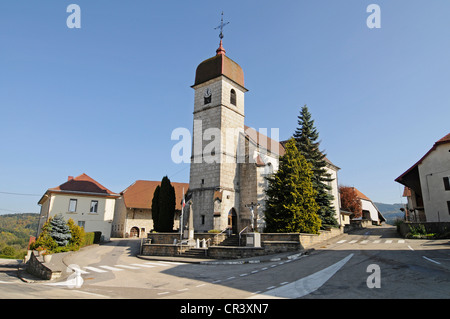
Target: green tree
{"x":291,"y":205}
{"x":59,"y":230}
{"x":306,"y":137}
{"x":155,"y":208}
{"x":77,"y":234}
{"x":163,"y":206}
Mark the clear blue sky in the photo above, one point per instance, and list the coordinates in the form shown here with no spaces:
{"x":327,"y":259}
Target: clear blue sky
{"x":104,"y":99}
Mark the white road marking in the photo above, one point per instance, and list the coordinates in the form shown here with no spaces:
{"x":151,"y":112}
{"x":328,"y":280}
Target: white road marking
{"x":342,"y":241}
{"x":377,"y":241}
{"x":271,"y":287}
{"x":144,"y":265}
{"x":353,"y":241}
{"x":111,"y":268}
{"x":163,"y":293}
{"x":304,"y":286}
{"x":242,"y":275}
{"x":401,"y":241}
{"x":229,"y":278}
{"x":89,"y":293}
{"x":364,"y":241}
{"x":127,"y":266}
{"x":388,"y":241}
{"x":410,"y":248}
{"x":201,"y":285}
{"x":433,"y":261}
{"x":156,"y":264}
{"x":284,"y":283}
{"x":184,"y":289}
{"x":94,"y":269}
{"x":264,"y":268}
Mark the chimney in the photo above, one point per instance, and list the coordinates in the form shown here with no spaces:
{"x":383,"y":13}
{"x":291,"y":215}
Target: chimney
{"x":69,"y":178}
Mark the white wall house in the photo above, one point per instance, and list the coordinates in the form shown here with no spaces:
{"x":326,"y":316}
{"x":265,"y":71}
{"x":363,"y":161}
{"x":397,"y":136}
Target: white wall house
{"x":83,"y":199}
{"x":369,"y":209}
{"x":428,"y":184}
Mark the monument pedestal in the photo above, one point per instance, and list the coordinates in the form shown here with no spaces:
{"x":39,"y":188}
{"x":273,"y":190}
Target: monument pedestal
{"x":253,"y":240}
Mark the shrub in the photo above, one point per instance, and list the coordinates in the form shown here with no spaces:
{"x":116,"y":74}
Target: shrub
{"x":8,"y":251}
{"x":88,"y":239}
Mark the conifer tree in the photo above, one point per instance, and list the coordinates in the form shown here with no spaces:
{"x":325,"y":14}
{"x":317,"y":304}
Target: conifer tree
{"x":163,"y":206}
{"x":291,"y":205}
{"x":155,"y":208}
{"x":59,"y":230}
{"x":306,"y":137}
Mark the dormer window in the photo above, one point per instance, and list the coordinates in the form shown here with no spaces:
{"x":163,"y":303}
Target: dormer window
{"x":233,"y":97}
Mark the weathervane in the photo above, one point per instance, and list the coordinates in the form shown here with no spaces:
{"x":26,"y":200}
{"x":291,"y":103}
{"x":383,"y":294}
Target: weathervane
{"x":221,"y":27}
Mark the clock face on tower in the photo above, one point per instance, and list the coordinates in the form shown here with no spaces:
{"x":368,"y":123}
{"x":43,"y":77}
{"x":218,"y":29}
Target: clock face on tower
{"x":207,"y":96}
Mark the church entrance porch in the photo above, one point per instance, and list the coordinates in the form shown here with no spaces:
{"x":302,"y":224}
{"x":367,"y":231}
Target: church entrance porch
{"x":232,"y":221}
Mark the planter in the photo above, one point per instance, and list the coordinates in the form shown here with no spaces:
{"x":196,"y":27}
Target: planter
{"x":47,"y":258}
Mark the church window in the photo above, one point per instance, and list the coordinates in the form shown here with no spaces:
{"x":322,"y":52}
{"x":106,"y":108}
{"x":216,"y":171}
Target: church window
{"x":203,"y":219}
{"x":233,"y":97}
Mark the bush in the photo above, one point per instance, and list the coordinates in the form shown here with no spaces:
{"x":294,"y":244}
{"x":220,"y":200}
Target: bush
{"x":88,"y":239}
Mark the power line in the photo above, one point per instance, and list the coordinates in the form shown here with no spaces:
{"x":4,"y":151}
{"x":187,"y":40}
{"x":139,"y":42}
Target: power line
{"x":20,"y":194}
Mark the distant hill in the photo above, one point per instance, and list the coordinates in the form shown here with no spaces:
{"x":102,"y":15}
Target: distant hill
{"x":390,"y":211}
{"x":15,"y":232}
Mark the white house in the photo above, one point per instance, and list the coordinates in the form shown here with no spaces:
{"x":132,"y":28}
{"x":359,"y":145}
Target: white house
{"x":369,"y":209}
{"x":428,"y":184}
{"x":87,"y":202}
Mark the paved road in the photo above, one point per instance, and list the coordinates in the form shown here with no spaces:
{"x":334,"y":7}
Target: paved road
{"x":373,"y":262}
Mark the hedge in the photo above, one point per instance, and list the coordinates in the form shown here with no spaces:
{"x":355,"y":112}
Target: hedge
{"x":92,"y":238}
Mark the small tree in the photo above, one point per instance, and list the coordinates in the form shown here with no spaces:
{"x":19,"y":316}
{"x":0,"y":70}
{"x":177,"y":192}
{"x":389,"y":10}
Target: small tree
{"x":60,"y":231}
{"x":350,"y":201}
{"x":291,"y":205}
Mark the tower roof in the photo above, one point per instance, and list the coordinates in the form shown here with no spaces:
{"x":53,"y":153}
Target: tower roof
{"x":219,"y":65}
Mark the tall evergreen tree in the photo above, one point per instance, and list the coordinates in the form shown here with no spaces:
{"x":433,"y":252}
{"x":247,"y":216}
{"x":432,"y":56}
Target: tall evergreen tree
{"x":155,"y":208}
{"x":291,"y":205}
{"x":163,"y":206}
{"x":306,"y":137}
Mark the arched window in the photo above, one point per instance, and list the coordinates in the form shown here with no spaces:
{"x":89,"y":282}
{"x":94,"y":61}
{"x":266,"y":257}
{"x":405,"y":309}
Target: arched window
{"x":233,"y":97}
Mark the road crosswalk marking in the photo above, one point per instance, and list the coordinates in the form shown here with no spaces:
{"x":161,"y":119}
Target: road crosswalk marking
{"x":127,"y":266}
{"x":94,"y":269}
{"x":111,"y":268}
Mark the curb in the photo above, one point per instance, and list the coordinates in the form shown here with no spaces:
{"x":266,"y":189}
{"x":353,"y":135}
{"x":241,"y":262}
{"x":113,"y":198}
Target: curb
{"x":257,"y":261}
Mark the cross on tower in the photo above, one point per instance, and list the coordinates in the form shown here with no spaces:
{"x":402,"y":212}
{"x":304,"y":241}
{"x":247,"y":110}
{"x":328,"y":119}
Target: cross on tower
{"x":221,"y":27}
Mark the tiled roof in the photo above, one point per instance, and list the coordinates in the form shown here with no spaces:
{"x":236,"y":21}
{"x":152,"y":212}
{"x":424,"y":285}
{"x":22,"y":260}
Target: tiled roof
{"x":83,"y":183}
{"x":140,"y":194}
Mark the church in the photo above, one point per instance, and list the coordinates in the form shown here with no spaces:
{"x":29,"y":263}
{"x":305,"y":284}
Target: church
{"x":227,"y":176}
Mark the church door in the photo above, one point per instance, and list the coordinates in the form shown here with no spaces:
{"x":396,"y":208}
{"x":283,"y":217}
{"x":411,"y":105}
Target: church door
{"x":134,"y":232}
{"x":232,"y":221}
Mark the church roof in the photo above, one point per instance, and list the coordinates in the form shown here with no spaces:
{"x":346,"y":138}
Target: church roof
{"x":140,"y":194}
{"x":219,"y":65}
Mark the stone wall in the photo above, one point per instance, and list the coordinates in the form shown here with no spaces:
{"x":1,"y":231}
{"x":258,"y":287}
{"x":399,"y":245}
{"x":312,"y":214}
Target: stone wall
{"x":168,"y":238}
{"x":430,"y":227}
{"x":36,"y":267}
{"x":163,"y":250}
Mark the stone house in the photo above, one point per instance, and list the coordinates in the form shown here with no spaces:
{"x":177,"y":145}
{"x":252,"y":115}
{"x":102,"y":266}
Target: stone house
{"x":133,"y":210}
{"x":87,"y":202}
{"x":427,"y":185}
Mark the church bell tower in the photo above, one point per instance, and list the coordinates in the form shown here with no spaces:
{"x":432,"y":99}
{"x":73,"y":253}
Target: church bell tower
{"x":218,"y":119}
